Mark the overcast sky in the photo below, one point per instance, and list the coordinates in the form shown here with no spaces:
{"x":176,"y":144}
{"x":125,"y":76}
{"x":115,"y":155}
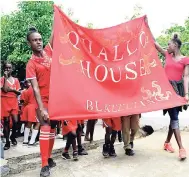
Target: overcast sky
{"x":103,"y":13}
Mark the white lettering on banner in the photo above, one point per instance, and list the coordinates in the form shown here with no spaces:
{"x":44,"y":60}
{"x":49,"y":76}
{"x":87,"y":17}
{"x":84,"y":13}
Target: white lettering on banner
{"x":102,"y":72}
{"x":142,"y":68}
{"x":145,"y":41}
{"x":103,"y":53}
{"x":105,"y":74}
{"x":112,"y":75}
{"x":89,"y":47}
{"x":84,"y":69}
{"x":77,"y":39}
{"x":94,"y":106}
{"x":131,"y":71}
{"x":89,"y":105}
{"x":115,"y":54}
{"x":128,"y":50}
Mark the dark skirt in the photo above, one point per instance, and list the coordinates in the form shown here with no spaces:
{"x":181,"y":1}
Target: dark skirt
{"x":178,"y":86}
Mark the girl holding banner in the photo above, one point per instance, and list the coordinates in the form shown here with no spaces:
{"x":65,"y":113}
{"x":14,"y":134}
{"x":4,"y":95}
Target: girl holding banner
{"x":177,"y":71}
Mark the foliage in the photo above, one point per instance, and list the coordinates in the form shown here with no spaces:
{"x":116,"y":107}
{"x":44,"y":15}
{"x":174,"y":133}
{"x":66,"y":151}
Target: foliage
{"x":14,"y":29}
{"x":183,"y":32}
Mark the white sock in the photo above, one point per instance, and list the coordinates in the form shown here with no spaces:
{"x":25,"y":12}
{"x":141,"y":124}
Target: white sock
{"x":26,"y":134}
{"x":33,"y":137}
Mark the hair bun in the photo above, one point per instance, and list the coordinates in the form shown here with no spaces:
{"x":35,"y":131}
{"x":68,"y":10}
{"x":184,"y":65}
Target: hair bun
{"x":175,"y":36}
{"x":33,"y":29}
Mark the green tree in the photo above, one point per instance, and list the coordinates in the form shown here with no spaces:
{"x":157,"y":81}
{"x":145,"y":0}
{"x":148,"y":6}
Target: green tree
{"x":183,"y":32}
{"x":14,"y":29}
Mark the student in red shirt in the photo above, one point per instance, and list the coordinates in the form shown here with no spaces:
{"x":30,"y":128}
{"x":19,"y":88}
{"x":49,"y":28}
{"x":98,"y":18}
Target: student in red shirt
{"x":10,"y":87}
{"x":112,"y":125}
{"x":29,"y":115}
{"x":38,"y":73}
{"x":177,"y":71}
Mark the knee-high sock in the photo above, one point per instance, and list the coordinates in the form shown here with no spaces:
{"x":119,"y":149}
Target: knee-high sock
{"x":26,"y":134}
{"x":44,"y":140}
{"x":52,"y":136}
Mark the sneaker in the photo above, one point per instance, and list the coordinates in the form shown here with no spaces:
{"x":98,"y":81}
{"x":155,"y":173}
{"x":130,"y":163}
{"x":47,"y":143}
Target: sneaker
{"x":25,"y":143}
{"x":59,"y":136}
{"x":75,"y":156}
{"x":66,"y":156}
{"x":132,"y":145}
{"x":105,"y":151}
{"x":129,"y":152}
{"x":7,"y":146}
{"x":112,"y":152}
{"x":168,"y":147}
{"x":182,"y":154}
{"x":81,"y":151}
{"x":51,"y":163}
{"x":32,"y":145}
{"x":45,"y":171}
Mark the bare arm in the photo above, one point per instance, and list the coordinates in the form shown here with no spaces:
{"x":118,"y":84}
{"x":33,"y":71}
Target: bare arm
{"x":186,"y":79}
{"x":5,"y":86}
{"x":159,"y":48}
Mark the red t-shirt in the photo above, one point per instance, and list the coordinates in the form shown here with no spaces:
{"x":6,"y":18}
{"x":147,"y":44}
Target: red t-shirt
{"x":39,"y":68}
{"x":28,"y":96}
{"x":175,"y":69}
{"x":14,"y":85}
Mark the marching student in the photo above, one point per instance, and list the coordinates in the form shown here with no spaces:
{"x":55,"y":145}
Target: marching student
{"x":29,"y":115}
{"x":73,"y":130}
{"x":130,"y":126}
{"x":112,"y":125}
{"x":38,"y":73}
{"x":10,"y":87}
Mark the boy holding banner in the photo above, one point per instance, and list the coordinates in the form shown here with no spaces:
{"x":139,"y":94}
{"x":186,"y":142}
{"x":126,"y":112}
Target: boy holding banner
{"x":38,"y":73}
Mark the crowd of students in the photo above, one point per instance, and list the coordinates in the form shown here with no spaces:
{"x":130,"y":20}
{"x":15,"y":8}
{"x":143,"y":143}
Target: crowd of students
{"x":29,"y":105}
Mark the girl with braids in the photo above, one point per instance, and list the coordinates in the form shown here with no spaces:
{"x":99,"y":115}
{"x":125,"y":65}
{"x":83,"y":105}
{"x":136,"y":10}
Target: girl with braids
{"x":10,"y":87}
{"x":38,"y":73}
{"x":177,"y":71}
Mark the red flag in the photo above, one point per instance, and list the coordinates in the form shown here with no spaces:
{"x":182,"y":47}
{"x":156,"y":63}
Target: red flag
{"x":111,"y":72}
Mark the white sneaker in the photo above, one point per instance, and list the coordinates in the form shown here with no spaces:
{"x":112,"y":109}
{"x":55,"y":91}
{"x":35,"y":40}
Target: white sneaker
{"x":59,"y":136}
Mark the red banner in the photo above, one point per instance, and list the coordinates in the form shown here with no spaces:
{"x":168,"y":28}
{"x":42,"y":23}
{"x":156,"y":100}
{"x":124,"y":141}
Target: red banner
{"x":111,"y":72}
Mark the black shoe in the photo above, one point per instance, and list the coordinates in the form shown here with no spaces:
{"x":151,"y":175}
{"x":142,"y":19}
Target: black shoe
{"x":129,"y":152}
{"x":132,"y":145}
{"x":45,"y":171}
{"x":51,"y":163}
{"x":112,"y":152}
{"x":75,"y":156}
{"x":81,"y":151}
{"x":105,"y":151}
{"x":13,"y":140}
{"x":66,"y":156}
{"x":7,"y":146}
{"x":82,"y":134}
{"x":25,"y":143}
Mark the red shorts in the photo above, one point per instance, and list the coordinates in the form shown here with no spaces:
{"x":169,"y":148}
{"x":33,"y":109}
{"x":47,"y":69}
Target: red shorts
{"x":114,"y":123}
{"x":22,"y":117}
{"x":29,"y":113}
{"x":9,"y":105}
{"x":71,"y":126}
